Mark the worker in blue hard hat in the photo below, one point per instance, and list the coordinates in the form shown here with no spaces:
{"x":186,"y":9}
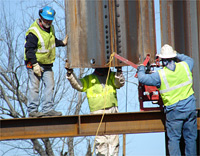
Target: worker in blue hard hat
{"x":102,"y":98}
{"x":39,"y":57}
{"x":175,"y":83}
{"x":47,"y":16}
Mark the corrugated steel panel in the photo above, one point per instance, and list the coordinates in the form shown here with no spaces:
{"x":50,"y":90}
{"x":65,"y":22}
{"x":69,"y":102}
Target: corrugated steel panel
{"x":87,"y":23}
{"x":179,"y":28}
{"x":136,"y":29}
{"x":166,"y":19}
{"x":98,"y":28}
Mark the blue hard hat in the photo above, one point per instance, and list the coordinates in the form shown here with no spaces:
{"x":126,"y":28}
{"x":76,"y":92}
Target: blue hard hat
{"x":47,"y":13}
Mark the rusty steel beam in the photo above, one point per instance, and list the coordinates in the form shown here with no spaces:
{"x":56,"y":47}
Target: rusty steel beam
{"x":136,"y":29}
{"x":180,"y":28}
{"x":96,"y":29}
{"x":87,"y":24}
{"x":83,"y":125}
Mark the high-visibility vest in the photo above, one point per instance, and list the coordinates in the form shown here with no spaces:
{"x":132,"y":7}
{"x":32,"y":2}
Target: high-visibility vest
{"x":175,"y":85}
{"x":97,"y":95}
{"x":46,"y":50}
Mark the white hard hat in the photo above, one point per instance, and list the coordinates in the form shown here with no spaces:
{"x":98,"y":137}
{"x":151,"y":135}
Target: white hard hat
{"x":167,"y":52}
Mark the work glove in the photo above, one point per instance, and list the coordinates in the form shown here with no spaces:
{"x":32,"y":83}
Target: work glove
{"x":37,"y":69}
{"x":67,"y":67}
{"x":65,"y":40}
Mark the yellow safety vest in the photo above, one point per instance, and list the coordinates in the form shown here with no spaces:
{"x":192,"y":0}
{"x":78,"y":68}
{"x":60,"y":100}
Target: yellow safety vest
{"x":175,"y":85}
{"x":97,"y":95}
{"x":46,"y":50}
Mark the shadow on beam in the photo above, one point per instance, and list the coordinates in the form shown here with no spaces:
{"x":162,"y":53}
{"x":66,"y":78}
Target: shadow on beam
{"x":83,"y":125}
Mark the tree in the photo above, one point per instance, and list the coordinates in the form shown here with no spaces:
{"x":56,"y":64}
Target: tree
{"x":14,"y":79}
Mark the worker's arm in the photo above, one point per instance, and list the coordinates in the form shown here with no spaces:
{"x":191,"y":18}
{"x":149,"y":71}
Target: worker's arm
{"x":74,"y":81}
{"x":31,"y":48}
{"x":119,"y":78}
{"x":61,"y":43}
{"x":148,"y":79}
{"x":186,"y":59}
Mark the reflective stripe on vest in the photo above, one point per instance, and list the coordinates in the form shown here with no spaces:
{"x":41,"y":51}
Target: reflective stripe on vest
{"x":46,"y":47}
{"x":43,"y":49}
{"x":177,"y":86}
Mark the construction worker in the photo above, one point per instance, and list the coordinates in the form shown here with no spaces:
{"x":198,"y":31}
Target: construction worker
{"x":174,"y":82}
{"x":100,"y":95}
{"x":39,"y":57}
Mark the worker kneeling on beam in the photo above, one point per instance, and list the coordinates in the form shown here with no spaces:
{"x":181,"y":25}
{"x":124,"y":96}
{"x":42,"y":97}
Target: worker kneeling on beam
{"x":39,"y":58}
{"x":175,"y":82}
{"x":102,"y":98}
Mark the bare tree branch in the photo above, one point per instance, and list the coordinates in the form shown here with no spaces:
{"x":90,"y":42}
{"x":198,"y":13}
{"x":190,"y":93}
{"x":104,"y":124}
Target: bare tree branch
{"x":38,"y":147}
{"x":13,"y":112}
{"x":48,"y":147}
{"x":14,"y":79}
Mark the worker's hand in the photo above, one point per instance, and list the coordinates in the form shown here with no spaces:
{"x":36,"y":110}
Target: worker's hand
{"x":65,"y":40}
{"x":177,"y":53}
{"x":119,"y":70}
{"x":140,"y":67}
{"x":37,"y":69}
{"x":68,"y":68}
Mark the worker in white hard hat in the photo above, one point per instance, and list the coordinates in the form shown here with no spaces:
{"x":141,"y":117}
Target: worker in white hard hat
{"x":175,"y":83}
{"x":39,"y":57}
{"x":102,"y":98}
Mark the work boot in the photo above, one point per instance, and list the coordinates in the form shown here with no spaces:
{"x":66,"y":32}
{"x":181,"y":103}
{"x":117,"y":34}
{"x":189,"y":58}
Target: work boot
{"x":53,"y":113}
{"x":36,"y":114}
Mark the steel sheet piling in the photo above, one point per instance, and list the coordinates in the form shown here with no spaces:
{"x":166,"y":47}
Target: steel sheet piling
{"x":96,"y":29}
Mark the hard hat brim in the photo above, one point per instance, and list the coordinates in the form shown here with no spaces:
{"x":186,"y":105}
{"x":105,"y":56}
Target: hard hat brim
{"x":167,"y":56}
{"x":47,"y":18}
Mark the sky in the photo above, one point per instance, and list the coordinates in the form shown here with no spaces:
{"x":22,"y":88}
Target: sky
{"x":146,"y":144}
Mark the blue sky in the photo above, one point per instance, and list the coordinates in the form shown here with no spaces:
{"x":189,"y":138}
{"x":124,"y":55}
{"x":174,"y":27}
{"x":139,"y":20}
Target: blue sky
{"x":147,"y":144}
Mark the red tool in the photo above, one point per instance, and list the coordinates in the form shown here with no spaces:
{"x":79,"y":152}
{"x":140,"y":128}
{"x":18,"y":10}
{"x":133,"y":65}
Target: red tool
{"x":146,"y":93}
{"x":131,"y":63}
{"x":149,"y":94}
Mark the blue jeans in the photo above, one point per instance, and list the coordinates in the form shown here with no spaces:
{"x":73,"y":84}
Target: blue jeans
{"x":34,"y":87}
{"x":178,"y":123}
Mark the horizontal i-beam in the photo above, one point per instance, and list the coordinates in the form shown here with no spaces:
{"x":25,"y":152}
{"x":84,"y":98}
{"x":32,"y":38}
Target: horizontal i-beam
{"x":83,"y":125}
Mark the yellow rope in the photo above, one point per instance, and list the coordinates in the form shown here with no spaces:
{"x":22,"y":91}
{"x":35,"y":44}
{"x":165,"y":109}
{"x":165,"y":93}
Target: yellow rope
{"x":109,"y":63}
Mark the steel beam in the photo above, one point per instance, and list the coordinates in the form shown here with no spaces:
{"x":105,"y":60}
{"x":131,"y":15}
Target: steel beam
{"x":83,"y":125}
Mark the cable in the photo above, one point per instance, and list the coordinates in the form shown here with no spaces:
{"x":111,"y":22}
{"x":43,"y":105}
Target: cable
{"x":109,"y":63}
